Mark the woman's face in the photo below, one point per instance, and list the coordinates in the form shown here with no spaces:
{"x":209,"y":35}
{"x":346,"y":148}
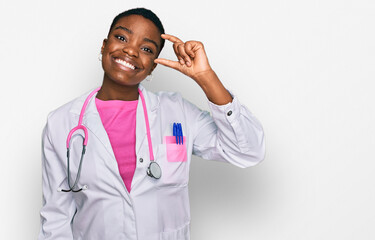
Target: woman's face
{"x":130,"y":50}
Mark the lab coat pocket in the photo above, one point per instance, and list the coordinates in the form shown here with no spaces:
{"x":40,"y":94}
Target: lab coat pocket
{"x":175,"y":152}
{"x":172,"y":159}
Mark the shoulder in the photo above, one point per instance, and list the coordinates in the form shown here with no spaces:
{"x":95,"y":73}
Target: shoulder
{"x":174,"y":103}
{"x":65,"y":111}
{"x":174,"y":98}
{"x":165,"y":96}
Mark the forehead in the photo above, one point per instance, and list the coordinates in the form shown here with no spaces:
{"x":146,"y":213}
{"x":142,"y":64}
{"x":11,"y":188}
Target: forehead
{"x":138,"y":25}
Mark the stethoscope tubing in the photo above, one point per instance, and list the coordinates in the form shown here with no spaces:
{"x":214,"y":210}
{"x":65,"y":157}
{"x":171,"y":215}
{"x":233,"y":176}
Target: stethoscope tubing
{"x":153,"y":169}
{"x":71,"y":188}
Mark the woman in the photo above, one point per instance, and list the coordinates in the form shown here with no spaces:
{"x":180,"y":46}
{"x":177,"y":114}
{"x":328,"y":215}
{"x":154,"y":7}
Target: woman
{"x":132,"y":183}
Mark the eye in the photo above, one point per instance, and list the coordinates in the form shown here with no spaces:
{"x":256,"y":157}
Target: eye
{"x":121,"y":38}
{"x":146,"y":49}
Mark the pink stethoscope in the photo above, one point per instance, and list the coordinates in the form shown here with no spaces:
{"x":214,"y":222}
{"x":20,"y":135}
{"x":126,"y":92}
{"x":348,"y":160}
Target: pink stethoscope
{"x":153,"y":169}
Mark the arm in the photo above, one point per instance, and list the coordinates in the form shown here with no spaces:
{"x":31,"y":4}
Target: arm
{"x":58,"y":207}
{"x":232,"y":134}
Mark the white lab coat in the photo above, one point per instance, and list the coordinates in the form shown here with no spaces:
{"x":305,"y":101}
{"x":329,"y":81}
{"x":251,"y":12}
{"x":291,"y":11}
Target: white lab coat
{"x":155,"y":209}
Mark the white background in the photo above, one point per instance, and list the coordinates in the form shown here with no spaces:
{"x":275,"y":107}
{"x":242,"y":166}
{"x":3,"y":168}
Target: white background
{"x":304,"y":68}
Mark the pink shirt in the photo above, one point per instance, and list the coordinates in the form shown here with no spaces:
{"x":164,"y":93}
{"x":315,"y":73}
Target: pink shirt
{"x":119,"y":120}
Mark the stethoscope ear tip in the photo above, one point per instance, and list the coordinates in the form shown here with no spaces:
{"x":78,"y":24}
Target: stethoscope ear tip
{"x":85,"y":187}
{"x":59,"y":189}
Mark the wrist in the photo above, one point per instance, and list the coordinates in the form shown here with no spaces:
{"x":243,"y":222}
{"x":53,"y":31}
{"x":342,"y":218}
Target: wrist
{"x":212,"y":87}
{"x":204,"y":76}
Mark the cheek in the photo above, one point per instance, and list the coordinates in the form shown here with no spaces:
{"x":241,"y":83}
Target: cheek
{"x":149,"y":63}
{"x":105,"y":62}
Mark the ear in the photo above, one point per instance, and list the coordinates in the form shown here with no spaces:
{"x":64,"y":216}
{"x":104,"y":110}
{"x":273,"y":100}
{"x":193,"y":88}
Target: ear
{"x":103,"y":46}
{"x":153,"y":67}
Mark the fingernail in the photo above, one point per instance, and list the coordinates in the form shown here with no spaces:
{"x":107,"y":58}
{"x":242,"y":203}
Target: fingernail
{"x":182,"y":61}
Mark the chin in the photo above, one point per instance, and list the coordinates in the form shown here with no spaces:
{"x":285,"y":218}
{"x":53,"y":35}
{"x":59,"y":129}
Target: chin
{"x":127,"y":82}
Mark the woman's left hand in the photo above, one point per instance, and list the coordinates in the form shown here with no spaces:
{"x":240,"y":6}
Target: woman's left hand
{"x":193,"y":62}
{"x":192,"y":59}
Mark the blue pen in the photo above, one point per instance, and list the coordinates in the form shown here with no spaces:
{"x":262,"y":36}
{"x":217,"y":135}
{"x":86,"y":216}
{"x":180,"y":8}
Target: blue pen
{"x":181,"y":135}
{"x":178,"y":133}
{"x":175,"y":131}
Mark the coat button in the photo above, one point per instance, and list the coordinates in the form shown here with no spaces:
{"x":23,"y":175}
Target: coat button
{"x":141,"y":159}
{"x":229,"y":113}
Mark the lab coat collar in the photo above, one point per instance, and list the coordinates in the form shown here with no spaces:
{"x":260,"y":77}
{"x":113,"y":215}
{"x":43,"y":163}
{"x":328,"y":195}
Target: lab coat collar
{"x":152,"y":102}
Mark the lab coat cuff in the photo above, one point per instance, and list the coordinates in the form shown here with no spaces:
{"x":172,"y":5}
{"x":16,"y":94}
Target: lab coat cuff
{"x":229,"y":112}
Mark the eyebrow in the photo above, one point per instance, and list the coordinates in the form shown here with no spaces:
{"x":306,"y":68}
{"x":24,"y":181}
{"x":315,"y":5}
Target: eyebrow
{"x":125,"y":29}
{"x":145,"y":39}
{"x":151,"y":41}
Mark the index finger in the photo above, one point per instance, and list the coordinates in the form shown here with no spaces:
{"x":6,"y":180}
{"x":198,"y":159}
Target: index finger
{"x":171,"y":38}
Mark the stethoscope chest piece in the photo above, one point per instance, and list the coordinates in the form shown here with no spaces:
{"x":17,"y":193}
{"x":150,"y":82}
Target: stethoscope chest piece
{"x":154,"y":170}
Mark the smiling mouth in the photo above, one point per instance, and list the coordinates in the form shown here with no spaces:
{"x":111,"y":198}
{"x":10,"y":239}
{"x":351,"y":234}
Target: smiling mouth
{"x":125,"y":63}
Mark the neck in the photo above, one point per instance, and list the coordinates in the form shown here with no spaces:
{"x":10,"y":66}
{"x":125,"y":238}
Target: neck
{"x":110,"y":90}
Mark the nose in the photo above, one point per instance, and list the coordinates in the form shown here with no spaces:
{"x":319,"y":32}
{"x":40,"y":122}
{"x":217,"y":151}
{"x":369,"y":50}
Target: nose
{"x":130,"y":50}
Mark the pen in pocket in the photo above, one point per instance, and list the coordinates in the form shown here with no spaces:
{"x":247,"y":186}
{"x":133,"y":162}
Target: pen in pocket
{"x":177,"y":132}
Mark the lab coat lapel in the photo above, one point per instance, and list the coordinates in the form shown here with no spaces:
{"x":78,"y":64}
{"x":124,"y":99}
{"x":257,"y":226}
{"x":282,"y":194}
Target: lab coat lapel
{"x":92,"y":121}
{"x":152,"y":104}
{"x":142,"y":148}
{"x":97,"y":135}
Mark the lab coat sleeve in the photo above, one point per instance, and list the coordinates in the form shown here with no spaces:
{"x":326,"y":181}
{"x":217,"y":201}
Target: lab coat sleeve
{"x":58,"y":207}
{"x":232,"y":134}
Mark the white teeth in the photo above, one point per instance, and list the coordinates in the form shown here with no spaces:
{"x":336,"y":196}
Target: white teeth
{"x":126,"y":64}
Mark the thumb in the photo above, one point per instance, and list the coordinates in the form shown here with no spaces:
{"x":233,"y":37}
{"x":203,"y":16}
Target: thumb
{"x":168,"y":63}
